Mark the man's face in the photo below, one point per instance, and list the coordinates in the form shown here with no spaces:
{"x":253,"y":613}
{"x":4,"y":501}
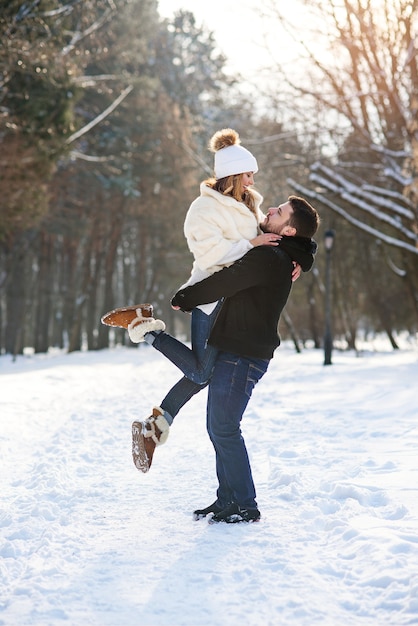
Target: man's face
{"x":277,"y":219}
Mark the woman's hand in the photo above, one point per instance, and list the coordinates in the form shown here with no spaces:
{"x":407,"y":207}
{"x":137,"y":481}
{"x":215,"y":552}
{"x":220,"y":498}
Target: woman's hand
{"x":297,"y":270}
{"x":266,"y":239}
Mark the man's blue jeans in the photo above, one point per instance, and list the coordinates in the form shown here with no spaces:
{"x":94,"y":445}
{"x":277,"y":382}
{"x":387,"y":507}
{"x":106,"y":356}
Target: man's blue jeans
{"x":232,"y":383}
{"x":196,"y":363}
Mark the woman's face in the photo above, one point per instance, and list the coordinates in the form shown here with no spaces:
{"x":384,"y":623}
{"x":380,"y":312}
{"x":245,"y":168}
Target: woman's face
{"x":247,"y":181}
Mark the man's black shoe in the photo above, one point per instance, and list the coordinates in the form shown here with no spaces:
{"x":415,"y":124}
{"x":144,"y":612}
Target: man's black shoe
{"x":233,"y":514}
{"x":212,"y":508}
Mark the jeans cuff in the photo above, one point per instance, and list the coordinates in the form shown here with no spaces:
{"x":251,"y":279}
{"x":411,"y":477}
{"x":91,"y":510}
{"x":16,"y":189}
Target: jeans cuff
{"x":151,"y":337}
{"x":168,"y":417}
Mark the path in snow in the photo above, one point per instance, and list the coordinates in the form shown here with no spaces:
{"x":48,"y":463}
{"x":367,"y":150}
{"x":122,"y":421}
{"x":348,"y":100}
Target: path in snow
{"x":86,"y":539}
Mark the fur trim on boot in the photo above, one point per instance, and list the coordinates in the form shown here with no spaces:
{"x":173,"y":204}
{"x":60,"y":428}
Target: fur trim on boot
{"x":138,"y":328}
{"x":157,"y":422}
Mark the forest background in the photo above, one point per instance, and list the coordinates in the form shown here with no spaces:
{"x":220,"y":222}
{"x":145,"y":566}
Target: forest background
{"x":106,"y":108}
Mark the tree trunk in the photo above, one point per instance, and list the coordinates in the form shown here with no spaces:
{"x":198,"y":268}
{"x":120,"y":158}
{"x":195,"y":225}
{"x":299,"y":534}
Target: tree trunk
{"x":109,"y":271}
{"x":44,"y":295}
{"x":292,"y":331}
{"x":313,"y":312}
{"x":15,"y":303}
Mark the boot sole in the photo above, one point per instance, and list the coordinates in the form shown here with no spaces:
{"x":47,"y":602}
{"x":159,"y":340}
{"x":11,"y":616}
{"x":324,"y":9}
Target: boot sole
{"x":232,"y":520}
{"x":139,"y":453}
{"x":122,"y":317}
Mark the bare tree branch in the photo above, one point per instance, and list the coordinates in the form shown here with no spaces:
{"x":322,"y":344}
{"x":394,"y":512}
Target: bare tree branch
{"x":78,"y":36}
{"x":82,"y":131}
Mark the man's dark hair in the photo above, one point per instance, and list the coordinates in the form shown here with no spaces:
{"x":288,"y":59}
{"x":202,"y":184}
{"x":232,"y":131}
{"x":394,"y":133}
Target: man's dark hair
{"x":304,"y":217}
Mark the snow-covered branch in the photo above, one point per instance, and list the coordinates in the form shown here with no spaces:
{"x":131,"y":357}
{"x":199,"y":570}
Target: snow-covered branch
{"x":391,"y":241}
{"x":369,"y":193}
{"x":365,"y":206}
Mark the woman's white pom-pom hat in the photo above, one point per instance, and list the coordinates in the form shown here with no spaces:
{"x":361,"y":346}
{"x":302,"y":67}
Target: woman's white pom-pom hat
{"x":234,"y":160}
{"x":230,"y":157}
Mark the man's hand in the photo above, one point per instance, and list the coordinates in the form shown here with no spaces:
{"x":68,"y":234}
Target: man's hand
{"x":296,"y":271}
{"x":266,"y":239}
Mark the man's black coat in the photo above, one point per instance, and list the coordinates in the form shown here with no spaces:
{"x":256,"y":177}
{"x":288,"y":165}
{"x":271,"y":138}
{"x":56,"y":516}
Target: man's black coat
{"x":256,"y":289}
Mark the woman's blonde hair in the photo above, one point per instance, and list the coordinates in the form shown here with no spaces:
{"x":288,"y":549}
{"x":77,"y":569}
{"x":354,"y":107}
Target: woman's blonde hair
{"x":231,"y":186}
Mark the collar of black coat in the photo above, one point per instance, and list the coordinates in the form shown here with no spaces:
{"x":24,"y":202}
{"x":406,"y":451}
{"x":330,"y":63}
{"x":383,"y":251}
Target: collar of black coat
{"x":300,"y":249}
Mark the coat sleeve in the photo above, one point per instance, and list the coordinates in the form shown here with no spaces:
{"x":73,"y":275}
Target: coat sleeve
{"x":255,"y":268}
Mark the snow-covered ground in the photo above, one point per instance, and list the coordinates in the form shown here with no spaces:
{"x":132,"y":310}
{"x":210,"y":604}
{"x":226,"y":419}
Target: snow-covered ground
{"x":85,"y":539}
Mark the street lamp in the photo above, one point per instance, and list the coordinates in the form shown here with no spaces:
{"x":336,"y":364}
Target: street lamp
{"x":328,"y":243}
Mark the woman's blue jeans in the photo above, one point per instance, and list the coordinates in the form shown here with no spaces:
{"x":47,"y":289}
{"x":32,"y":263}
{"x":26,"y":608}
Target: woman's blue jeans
{"x":196,"y":363}
{"x":233,"y":380}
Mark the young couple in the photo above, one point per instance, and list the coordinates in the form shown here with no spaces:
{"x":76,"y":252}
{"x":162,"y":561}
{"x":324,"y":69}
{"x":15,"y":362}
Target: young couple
{"x":241,"y":278}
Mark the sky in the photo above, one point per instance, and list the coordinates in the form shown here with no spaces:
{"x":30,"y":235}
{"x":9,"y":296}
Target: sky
{"x":87,"y":540}
{"x":238,"y":29}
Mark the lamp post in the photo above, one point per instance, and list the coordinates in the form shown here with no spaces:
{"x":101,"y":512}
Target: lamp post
{"x":328,"y":243}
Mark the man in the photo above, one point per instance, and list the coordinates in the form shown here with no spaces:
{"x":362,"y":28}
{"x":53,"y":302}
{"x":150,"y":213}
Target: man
{"x":256,"y":289}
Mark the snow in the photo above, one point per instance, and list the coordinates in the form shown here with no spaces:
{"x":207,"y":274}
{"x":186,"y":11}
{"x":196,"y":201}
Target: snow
{"x":86,"y":539}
